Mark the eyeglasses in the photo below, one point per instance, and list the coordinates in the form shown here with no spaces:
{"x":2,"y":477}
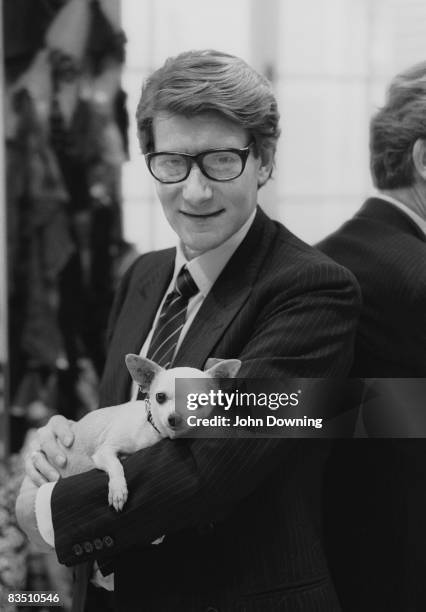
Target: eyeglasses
{"x":215,"y":164}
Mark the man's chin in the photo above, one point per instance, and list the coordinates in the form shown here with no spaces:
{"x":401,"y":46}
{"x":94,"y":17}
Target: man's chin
{"x":194,"y":248}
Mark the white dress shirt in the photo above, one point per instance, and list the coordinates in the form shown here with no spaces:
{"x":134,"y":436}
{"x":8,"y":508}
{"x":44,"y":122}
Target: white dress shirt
{"x":204,"y":269}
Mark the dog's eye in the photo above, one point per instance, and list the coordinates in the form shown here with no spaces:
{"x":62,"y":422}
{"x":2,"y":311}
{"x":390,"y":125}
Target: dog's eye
{"x":160,"y":397}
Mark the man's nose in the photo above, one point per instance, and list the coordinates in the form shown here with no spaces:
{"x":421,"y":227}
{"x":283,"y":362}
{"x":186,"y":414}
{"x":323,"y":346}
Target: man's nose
{"x":196,"y":188}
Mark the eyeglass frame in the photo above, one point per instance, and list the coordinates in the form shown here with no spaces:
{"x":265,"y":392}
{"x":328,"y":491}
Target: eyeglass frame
{"x":243,"y":154}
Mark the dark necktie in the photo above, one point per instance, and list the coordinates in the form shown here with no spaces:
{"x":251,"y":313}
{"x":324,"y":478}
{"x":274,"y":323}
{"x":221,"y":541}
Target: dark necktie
{"x":171,"y":320}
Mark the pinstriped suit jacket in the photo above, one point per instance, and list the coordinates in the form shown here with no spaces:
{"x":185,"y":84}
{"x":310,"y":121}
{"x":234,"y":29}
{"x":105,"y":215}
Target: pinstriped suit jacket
{"x":242,"y":517}
{"x":377,"y":530}
{"x":386,"y":251}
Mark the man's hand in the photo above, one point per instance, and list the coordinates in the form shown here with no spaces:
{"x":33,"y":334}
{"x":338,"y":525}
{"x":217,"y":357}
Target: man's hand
{"x":47,"y":454}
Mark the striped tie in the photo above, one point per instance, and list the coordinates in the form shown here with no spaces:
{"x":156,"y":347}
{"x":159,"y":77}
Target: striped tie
{"x":172,"y":319}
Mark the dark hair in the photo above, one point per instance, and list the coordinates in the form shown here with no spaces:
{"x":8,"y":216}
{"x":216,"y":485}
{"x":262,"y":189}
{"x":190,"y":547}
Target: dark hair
{"x":396,"y":127}
{"x":197,"y":82}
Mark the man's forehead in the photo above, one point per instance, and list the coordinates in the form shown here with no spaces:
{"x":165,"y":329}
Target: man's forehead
{"x":174,"y":131}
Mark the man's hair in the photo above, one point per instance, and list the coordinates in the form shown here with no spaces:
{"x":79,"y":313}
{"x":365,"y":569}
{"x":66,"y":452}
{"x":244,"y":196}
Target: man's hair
{"x":396,"y":127}
{"x":197,"y":82}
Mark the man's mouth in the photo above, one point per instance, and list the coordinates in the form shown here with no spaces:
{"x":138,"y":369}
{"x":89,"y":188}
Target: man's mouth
{"x":216,"y":213}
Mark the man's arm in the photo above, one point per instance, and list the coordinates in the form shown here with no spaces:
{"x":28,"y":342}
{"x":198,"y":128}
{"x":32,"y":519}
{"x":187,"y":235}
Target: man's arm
{"x":179,"y":484}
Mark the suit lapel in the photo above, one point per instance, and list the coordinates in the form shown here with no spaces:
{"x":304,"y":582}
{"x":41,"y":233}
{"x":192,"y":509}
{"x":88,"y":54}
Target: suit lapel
{"x":227,"y":296}
{"x":149,"y":295}
{"x":135,"y":321}
{"x":211,"y":321}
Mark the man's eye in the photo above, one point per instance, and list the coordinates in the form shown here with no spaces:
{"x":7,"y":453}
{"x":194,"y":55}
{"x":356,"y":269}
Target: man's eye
{"x":160,"y":397}
{"x":222,"y":158}
{"x":171,"y":163}
{"x":225,"y":159}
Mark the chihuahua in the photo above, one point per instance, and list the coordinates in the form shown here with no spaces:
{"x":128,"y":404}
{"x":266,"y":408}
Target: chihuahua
{"x":105,"y":434}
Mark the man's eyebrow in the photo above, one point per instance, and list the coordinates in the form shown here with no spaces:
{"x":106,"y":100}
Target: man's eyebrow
{"x":185,"y":150}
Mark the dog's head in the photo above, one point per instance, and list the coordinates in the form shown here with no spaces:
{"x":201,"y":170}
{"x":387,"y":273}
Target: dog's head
{"x":158,"y":385}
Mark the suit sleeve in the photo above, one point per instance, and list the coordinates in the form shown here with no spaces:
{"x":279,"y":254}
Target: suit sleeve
{"x":179,"y":484}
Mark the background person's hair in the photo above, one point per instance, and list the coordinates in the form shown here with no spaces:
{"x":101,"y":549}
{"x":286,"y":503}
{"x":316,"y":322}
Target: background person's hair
{"x":196,"y":82}
{"x":396,"y":127}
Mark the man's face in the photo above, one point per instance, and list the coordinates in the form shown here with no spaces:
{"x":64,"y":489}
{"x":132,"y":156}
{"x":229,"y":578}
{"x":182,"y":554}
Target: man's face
{"x":204,"y":213}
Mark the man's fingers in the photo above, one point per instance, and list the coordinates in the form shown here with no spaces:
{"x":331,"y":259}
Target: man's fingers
{"x":32,"y":473}
{"x":62,"y":429}
{"x":43,"y":467}
{"x":48,"y":443}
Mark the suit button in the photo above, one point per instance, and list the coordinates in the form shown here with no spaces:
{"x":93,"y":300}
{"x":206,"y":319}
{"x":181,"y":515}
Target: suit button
{"x":108,"y":541}
{"x":88,"y":547}
{"x":77,"y":550}
{"x":98,"y":543}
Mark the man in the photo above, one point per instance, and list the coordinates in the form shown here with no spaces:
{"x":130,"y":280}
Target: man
{"x":377,"y":525}
{"x":241,"y":517}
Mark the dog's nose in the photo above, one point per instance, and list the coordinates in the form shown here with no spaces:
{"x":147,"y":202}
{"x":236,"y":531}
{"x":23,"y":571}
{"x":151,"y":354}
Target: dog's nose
{"x":174,"y":419}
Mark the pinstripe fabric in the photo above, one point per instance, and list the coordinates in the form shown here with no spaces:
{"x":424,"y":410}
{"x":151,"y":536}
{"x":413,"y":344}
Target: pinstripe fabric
{"x":386,"y":251}
{"x":376,"y":498}
{"x":242,"y":517}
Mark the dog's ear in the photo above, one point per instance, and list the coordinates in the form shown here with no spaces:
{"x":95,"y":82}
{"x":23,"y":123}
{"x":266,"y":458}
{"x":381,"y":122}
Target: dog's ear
{"x":222,"y":368}
{"x":142,"y":370}
{"x":211,"y":361}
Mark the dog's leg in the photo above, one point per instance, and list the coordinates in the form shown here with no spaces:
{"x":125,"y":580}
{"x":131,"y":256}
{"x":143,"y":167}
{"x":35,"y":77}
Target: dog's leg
{"x":105,"y":459}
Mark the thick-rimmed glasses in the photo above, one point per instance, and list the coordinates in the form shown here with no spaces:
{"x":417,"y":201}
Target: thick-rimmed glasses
{"x":215,"y":164}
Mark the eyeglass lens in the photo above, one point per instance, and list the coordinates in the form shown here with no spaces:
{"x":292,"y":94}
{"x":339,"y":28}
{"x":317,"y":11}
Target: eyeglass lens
{"x":219,"y":165}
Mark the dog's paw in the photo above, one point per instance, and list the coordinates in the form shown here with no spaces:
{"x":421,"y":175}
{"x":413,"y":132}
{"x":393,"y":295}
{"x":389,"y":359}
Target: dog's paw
{"x":117,"y":493}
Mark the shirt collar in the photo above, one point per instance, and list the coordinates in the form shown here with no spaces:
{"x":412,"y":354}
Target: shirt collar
{"x":206,"y":268}
{"x":410,"y":213}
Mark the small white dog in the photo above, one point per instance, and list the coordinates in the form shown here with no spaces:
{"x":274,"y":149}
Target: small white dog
{"x":104,"y":434}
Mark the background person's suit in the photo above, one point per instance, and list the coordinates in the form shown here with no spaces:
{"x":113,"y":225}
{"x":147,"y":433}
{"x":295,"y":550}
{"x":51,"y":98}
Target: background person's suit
{"x":386,"y":251}
{"x":241,"y":517}
{"x":376,"y":535}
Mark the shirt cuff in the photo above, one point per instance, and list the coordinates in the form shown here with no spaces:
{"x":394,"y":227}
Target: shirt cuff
{"x":43,"y":513}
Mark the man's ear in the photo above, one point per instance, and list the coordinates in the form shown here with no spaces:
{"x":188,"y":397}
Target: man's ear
{"x":142,"y":370}
{"x":265,"y":160}
{"x":223,"y":368}
{"x":419,"y":157}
